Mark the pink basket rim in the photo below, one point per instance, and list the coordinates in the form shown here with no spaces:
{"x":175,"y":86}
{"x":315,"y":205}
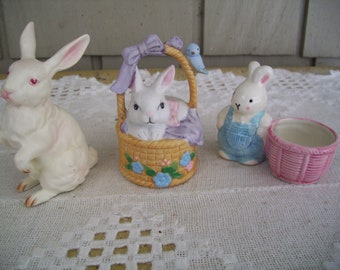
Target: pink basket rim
{"x":298,"y":148}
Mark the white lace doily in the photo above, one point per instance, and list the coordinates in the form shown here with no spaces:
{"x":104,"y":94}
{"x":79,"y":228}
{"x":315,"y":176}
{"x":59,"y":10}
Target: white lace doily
{"x":228,"y":216}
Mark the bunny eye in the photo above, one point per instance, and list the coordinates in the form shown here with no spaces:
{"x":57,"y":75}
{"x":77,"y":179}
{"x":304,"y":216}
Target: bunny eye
{"x":250,"y":101}
{"x":161,"y":105}
{"x":135,"y":107}
{"x":33,"y":81}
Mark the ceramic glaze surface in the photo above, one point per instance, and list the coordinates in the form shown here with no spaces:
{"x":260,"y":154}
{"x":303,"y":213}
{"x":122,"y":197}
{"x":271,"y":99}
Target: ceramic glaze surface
{"x":300,"y":151}
{"x":192,"y":52}
{"x":304,"y":133}
{"x":240,"y":140}
{"x":150,"y":111}
{"x":242,"y":126}
{"x":51,"y":148}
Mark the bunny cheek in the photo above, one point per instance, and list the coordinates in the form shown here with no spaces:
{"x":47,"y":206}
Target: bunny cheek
{"x":135,"y":117}
{"x":19,"y":99}
{"x":29,"y":97}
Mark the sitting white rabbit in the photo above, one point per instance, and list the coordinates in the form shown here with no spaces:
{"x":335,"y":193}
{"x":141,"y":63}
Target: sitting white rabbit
{"x":51,"y":148}
{"x":150,"y":111}
{"x":242,"y":126}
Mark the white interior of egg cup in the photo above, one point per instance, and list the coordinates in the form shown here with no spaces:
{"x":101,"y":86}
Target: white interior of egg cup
{"x":304,"y":132}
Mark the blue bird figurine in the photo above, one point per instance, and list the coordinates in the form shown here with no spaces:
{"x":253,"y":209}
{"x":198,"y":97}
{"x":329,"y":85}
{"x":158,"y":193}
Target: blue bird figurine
{"x":192,"y":52}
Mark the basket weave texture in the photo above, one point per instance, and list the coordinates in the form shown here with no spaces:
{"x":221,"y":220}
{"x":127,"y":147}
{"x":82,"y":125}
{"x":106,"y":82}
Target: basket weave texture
{"x":298,"y":164}
{"x":160,"y":163}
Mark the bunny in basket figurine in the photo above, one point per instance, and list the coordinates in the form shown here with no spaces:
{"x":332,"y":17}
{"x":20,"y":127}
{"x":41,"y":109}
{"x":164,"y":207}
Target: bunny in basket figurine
{"x":51,"y":148}
{"x":150,"y":111}
{"x":242,"y":126}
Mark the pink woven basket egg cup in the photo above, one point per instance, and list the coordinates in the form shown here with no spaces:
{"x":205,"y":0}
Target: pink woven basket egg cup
{"x":295,"y":163}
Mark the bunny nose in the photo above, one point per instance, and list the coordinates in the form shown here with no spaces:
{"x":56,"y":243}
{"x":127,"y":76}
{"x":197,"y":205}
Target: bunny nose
{"x":150,"y":121}
{"x":150,"y":114}
{"x":5,"y":94}
{"x":238,"y":106}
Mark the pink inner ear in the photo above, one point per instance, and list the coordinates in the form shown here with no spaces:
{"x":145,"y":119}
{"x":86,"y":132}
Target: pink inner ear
{"x":71,"y":54}
{"x":264,"y":79}
{"x":169,"y":77}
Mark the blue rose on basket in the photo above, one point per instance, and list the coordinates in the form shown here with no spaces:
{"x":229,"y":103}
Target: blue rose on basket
{"x":162,"y":180}
{"x":137,"y":167}
{"x":186,"y":158}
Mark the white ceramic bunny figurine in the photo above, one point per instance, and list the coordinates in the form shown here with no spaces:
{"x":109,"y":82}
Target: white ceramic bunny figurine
{"x":150,"y":111}
{"x":51,"y":148}
{"x":242,"y":126}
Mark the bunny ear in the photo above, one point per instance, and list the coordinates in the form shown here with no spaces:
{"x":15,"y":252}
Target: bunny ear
{"x":137,"y":82}
{"x":68,"y":55}
{"x":27,"y":42}
{"x":165,"y":79}
{"x":252,"y":66}
{"x":262,"y":75}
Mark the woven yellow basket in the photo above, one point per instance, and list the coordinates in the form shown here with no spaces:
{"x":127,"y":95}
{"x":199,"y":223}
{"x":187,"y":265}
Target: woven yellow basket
{"x":160,"y":163}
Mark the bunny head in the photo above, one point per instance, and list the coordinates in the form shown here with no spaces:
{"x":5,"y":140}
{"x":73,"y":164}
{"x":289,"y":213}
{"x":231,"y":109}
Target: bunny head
{"x":29,"y":80}
{"x":148,"y":104}
{"x":250,"y":96}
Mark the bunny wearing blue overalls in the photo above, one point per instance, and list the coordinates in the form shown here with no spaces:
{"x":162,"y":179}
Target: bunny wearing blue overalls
{"x":240,"y":140}
{"x":242,"y":126}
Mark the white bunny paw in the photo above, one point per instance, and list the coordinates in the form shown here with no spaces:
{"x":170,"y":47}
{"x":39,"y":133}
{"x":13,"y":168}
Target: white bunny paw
{"x":251,"y":162}
{"x":27,"y":183}
{"x":143,"y":135}
{"x":22,"y":163}
{"x":223,"y":155}
{"x":156,"y":135}
{"x":39,"y":197}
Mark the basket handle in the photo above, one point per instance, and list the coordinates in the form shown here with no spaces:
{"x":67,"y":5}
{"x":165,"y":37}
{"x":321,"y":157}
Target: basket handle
{"x":189,"y":73}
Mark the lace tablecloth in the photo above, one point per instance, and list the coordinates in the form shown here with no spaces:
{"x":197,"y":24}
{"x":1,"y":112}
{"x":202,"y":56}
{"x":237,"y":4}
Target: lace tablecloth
{"x":227,"y":216}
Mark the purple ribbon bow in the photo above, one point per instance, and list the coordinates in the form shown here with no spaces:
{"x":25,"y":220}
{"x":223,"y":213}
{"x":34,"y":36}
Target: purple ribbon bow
{"x":131,"y":55}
